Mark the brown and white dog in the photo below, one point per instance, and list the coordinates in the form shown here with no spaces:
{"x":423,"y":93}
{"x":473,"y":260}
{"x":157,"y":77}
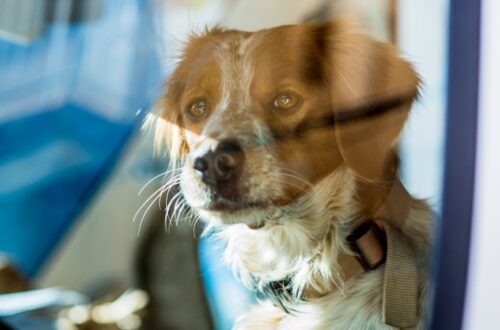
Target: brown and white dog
{"x":284,"y":142}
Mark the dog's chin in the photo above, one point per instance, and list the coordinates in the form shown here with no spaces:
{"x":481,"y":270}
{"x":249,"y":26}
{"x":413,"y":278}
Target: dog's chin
{"x":226,"y":205}
{"x":223,"y":211}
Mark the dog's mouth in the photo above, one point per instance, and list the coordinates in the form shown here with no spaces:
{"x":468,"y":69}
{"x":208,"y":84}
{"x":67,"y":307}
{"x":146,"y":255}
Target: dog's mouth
{"x":237,"y":211}
{"x":223,"y":204}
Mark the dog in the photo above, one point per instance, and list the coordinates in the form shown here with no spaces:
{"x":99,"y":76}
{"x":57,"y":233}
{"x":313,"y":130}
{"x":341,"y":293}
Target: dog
{"x":283,"y":141}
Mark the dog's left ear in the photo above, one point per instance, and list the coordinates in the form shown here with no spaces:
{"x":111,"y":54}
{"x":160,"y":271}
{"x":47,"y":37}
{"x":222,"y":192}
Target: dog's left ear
{"x":369,"y":78}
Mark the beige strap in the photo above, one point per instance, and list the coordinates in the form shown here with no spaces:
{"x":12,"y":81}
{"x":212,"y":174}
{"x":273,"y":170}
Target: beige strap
{"x":400,"y":282}
{"x":400,"y":296}
{"x":350,"y":266}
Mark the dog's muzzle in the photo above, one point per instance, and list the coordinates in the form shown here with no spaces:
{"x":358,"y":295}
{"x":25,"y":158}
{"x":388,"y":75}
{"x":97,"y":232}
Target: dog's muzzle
{"x":220,"y":168}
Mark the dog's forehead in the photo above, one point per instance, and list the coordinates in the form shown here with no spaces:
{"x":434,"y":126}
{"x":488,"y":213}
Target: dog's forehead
{"x":265,"y":52}
{"x":241,"y":73}
{"x":212,"y":57}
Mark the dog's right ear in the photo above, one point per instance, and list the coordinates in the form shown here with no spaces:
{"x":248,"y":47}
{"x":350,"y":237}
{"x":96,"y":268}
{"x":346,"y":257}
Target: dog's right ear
{"x":369,"y":77}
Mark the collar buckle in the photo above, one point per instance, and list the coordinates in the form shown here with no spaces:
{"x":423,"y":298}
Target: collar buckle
{"x":369,"y":242}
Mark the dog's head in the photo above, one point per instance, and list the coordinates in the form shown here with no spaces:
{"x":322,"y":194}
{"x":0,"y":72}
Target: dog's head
{"x":256,"y":119}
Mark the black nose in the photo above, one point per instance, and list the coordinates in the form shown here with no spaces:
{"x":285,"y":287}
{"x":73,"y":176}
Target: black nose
{"x":222,"y":165}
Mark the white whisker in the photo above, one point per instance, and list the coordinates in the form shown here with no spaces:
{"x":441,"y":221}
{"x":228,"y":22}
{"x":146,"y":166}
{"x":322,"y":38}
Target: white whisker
{"x":167,"y":209}
{"x":168,"y":187}
{"x":155,"y":193}
{"x":145,"y":213}
{"x":164,"y":174}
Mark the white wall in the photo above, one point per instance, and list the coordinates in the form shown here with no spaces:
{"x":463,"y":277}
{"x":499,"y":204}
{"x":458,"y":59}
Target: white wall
{"x":422,"y":37}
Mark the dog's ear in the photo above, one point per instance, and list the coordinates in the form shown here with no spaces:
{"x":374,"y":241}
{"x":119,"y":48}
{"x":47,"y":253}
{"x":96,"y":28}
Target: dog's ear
{"x":372,"y":89}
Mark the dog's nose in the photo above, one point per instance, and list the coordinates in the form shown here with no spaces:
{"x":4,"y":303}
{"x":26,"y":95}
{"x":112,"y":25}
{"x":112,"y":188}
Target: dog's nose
{"x":221,"y":165}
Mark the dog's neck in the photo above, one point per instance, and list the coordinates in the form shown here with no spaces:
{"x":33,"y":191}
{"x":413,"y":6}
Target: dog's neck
{"x":302,"y":242}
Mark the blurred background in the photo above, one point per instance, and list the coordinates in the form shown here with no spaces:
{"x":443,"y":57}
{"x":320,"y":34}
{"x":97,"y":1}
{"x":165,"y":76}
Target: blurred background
{"x":77,"y":80}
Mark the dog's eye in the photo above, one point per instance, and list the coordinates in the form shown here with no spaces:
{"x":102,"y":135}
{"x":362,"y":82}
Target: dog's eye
{"x":198,"y":109}
{"x":285,"y":101}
